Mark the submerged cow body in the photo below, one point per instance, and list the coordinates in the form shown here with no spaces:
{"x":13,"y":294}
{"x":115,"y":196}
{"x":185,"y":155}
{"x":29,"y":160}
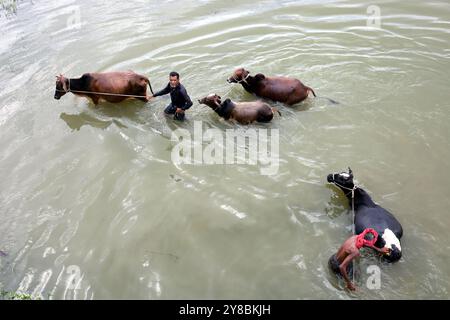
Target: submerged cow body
{"x":110,"y":86}
{"x":242,"y":112}
{"x":282,"y":89}
{"x":370,"y":215}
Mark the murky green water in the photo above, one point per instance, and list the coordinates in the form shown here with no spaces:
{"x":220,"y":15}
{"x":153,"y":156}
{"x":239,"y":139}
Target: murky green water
{"x":92,"y":194}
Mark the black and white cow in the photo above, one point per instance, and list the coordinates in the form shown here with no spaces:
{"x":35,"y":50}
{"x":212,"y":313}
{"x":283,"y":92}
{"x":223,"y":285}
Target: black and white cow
{"x":370,"y":215}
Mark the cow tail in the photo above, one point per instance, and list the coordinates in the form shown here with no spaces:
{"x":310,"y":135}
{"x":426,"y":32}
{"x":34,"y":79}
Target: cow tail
{"x":312,"y":91}
{"x":150,"y":86}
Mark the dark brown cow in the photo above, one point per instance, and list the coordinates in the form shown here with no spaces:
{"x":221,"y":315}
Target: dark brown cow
{"x":110,"y":86}
{"x":242,"y":112}
{"x":283,"y":89}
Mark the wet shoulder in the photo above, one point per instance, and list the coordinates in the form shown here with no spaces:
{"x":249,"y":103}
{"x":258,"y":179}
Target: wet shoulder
{"x":350,"y":244}
{"x":182,"y":88}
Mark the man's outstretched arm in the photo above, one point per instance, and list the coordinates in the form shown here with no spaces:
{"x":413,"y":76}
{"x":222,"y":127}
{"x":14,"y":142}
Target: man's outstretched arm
{"x":162,"y":92}
{"x":383,"y":250}
{"x":343,"y":268}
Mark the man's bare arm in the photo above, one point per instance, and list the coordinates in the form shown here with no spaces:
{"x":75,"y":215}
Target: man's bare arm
{"x":383,"y":250}
{"x":343,"y":268}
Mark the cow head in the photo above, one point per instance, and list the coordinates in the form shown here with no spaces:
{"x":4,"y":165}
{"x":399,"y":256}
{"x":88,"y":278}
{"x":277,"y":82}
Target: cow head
{"x":62,"y":86}
{"x":343,"y":180}
{"x":238,"y":76}
{"x":213,"y":101}
{"x":391,"y":242}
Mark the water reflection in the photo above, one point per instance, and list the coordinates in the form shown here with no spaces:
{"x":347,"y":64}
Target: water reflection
{"x":337,"y":205}
{"x":76,"y":121}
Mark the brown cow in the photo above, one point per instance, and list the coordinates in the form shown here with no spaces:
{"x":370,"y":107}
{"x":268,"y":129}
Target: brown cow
{"x":283,"y":89}
{"x":116,"y":86}
{"x":242,"y":112}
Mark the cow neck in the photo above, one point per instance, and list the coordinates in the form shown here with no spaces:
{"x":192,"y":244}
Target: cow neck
{"x":225,"y":109}
{"x":362,"y":198}
{"x":249,"y":84}
{"x":77,"y":84}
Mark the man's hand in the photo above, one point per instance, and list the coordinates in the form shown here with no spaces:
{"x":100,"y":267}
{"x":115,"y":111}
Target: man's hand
{"x":149,"y":97}
{"x":382,"y":251}
{"x":179,"y":110}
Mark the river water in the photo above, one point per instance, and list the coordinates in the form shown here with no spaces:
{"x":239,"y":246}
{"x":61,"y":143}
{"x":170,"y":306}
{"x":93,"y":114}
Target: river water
{"x":93,"y":207}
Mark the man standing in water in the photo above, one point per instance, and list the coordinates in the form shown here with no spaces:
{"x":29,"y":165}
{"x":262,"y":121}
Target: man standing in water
{"x":341,"y":262}
{"x":178,"y":94}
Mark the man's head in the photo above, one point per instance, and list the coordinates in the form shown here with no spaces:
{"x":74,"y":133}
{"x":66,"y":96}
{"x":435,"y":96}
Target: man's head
{"x":367,"y":238}
{"x":174,"y":79}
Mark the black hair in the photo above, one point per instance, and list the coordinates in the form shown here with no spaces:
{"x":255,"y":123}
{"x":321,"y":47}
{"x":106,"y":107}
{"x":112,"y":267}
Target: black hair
{"x":174,"y":74}
{"x":369,"y":236}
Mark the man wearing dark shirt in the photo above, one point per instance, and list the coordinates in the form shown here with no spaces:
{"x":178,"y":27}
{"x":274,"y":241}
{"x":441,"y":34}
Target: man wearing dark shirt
{"x":178,"y":95}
